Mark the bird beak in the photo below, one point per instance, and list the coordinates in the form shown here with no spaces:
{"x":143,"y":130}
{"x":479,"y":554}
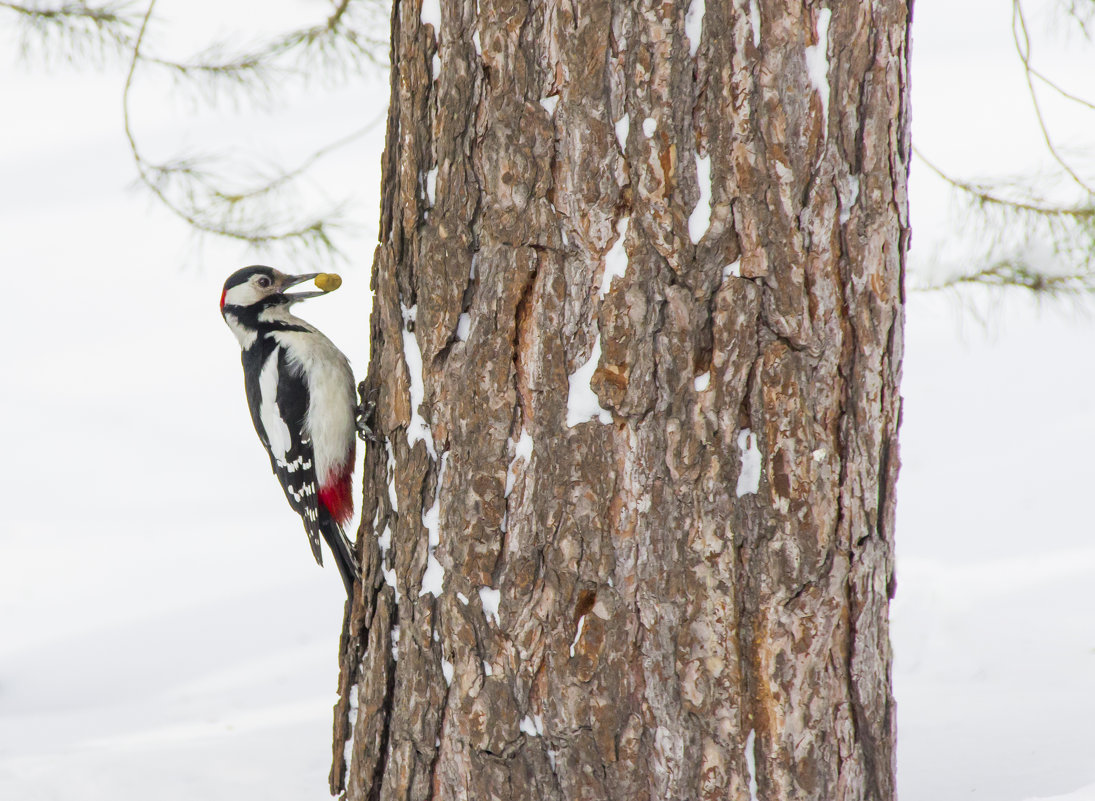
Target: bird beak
{"x":300,"y":279}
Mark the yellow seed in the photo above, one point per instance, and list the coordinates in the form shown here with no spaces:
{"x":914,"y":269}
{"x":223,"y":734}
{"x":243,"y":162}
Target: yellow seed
{"x":328,"y":282}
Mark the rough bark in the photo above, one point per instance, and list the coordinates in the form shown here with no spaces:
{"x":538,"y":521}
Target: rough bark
{"x":670,"y":625}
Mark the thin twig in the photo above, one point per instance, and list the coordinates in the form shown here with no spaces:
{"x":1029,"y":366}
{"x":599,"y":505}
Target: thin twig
{"x":1021,"y":35}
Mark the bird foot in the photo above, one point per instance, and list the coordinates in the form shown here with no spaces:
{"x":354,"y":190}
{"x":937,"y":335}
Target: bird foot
{"x":366,"y":418}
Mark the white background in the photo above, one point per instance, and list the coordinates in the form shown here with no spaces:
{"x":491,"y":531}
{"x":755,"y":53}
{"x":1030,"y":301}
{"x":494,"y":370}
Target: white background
{"x":162,"y":624}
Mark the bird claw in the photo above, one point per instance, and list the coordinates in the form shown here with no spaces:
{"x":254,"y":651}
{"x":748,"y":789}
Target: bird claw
{"x":365,"y":413}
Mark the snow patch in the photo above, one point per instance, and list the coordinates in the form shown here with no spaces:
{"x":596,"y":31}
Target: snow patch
{"x":751,"y":763}
{"x":435,"y":63}
{"x":475,"y":41}
{"x":431,"y":517}
{"x":732,"y":269}
{"x":487,"y":669}
{"x":463,"y":326}
{"x":623,"y":126}
{"x":522,"y":452}
{"x":817,"y":64}
{"x":392,"y":498}
{"x":446,"y":671}
{"x":351,"y":715}
{"x":431,"y":186}
{"x":578,"y":633}
{"x":549,"y":104}
{"x":693,"y":25}
{"x":490,"y":600}
{"x":418,"y":428}
{"x":433,"y":580}
{"x":700,"y":218}
{"x":616,"y":258}
{"x":528,"y":726}
{"x":462,"y":598}
{"x":749,"y":479}
{"x":649,"y":126}
{"x":754,"y":21}
{"x":582,"y":402}
{"x":702,"y":382}
{"x":390,"y":580}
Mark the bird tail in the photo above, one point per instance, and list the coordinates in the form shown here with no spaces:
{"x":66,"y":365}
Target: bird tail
{"x":343,"y":551}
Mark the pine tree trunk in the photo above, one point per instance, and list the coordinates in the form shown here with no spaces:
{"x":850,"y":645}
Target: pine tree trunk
{"x":636,"y":346}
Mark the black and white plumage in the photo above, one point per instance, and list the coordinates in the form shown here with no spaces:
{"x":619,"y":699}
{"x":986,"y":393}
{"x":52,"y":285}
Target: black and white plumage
{"x":300,"y":391}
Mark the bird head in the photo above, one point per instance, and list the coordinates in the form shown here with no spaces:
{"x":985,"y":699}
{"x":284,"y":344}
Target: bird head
{"x":265,"y":287}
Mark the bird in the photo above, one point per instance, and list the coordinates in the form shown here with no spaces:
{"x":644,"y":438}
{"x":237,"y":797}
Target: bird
{"x":301,"y":394}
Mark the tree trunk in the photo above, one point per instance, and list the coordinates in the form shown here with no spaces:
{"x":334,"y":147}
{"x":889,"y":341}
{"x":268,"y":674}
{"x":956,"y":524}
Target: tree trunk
{"x":636,"y":345}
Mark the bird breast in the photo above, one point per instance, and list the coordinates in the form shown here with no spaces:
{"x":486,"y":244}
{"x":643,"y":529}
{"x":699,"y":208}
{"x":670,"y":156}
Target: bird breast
{"x":329,"y":422}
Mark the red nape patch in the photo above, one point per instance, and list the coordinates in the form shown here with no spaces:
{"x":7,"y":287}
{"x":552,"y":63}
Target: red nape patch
{"x":338,"y":497}
{"x":223,"y":293}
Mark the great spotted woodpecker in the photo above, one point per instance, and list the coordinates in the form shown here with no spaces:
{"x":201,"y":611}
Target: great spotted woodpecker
{"x":300,"y":391}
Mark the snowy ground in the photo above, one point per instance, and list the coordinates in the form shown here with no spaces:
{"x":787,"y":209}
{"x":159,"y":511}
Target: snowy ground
{"x":162,"y":623}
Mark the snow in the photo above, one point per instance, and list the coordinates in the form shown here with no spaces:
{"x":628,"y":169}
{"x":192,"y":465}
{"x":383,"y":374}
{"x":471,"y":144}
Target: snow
{"x":528,"y":726}
{"x":490,"y":599}
{"x":693,"y":25}
{"x":751,"y":763}
{"x":582,"y":402}
{"x":418,"y":429}
{"x":732,"y":269}
{"x":623,"y":125}
{"x":754,"y":21}
{"x":700,"y":218}
{"x":578,"y":633}
{"x":749,"y":478}
{"x":522,"y":455}
{"x":817,"y":64}
{"x":649,"y":126}
{"x":393,"y":497}
{"x":549,"y":104}
{"x":431,"y":186}
{"x":433,"y":579}
{"x":463,"y":326}
{"x":205,"y":638}
{"x":702,"y":381}
{"x":616,"y":260}
{"x":391,"y":580}
{"x":446,"y":671}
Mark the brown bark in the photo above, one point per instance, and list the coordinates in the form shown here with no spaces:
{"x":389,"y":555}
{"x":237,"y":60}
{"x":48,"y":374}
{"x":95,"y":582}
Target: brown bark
{"x":659,"y":609}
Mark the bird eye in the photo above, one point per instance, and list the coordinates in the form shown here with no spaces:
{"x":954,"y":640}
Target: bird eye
{"x":264,"y":282}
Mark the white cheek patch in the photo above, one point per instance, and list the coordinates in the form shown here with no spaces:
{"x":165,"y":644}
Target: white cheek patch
{"x":277,"y":432}
{"x":245,"y":336}
{"x":242,"y":295}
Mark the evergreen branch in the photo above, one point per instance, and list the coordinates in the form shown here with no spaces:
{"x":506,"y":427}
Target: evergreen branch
{"x":986,"y":195}
{"x":336,"y":39}
{"x":1022,"y":46}
{"x":229,"y":216}
{"x":109,"y":24}
{"x":1018,"y":274}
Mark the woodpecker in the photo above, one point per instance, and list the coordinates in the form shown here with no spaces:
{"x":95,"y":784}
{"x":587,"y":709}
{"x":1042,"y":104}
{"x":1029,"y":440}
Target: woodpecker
{"x":300,"y":391}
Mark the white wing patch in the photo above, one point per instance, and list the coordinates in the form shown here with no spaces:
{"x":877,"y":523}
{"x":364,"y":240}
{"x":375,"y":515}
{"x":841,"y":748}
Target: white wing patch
{"x":277,"y":432}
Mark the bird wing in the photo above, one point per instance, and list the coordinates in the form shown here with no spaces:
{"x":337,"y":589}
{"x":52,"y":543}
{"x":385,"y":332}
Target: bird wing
{"x":283,"y":404}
